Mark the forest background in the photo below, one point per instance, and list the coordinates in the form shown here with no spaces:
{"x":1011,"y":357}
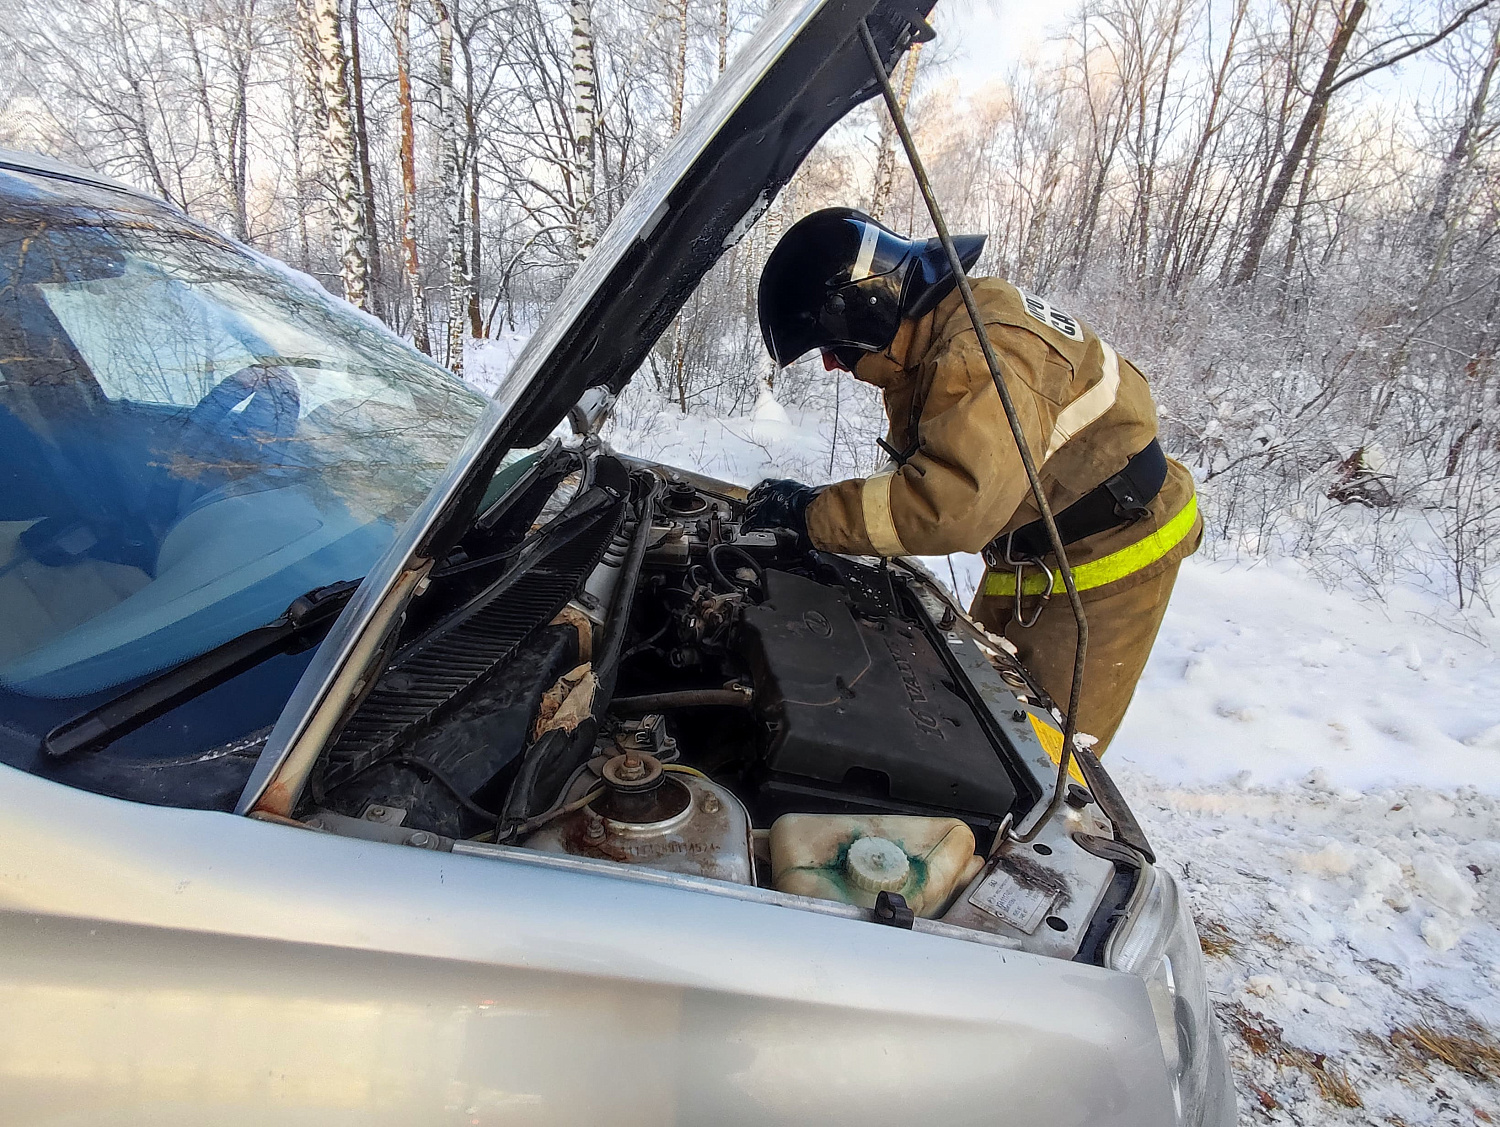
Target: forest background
{"x":1287,"y":212}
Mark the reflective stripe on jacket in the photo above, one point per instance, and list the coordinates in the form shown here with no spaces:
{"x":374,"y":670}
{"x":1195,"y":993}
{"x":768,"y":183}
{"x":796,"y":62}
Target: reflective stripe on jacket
{"x":1155,"y":545}
{"x":1084,"y":409}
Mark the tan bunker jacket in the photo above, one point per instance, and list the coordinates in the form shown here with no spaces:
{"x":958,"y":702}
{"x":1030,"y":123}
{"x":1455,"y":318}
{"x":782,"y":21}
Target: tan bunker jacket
{"x":1085,"y":411}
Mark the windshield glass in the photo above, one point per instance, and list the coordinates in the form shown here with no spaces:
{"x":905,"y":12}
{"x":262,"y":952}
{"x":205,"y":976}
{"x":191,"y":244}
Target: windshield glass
{"x":190,"y":438}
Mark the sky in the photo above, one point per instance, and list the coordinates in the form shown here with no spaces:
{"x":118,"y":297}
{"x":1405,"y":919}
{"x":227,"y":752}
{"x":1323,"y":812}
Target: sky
{"x":996,"y":33}
{"x":983,"y":39}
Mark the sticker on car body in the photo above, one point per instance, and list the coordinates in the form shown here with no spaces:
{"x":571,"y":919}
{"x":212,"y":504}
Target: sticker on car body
{"x":1023,"y":906}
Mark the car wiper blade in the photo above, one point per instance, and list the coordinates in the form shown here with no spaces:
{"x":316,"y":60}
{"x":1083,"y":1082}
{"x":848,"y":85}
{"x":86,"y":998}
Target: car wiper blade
{"x":136,"y":707}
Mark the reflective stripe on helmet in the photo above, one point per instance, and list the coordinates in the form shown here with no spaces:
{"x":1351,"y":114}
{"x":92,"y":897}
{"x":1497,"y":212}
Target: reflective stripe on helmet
{"x":1106,"y":569}
{"x":1089,"y":406}
{"x":880,"y":527}
{"x":866,"y":256}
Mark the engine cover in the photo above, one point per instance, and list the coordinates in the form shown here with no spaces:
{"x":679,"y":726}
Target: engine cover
{"x":865,"y":704}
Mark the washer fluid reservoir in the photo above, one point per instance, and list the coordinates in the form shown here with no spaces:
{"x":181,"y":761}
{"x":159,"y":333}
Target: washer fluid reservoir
{"x":853,"y":859}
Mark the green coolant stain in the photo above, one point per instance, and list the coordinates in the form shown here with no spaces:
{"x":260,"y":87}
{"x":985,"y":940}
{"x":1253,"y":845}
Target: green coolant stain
{"x":833,"y":871}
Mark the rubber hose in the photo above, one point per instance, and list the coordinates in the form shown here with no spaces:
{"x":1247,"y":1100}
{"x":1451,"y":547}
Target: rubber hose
{"x":683,"y":698}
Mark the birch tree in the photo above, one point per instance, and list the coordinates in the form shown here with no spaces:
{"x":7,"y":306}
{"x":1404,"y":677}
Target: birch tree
{"x":723,"y":35}
{"x":679,"y":69}
{"x":343,"y":158}
{"x":362,"y":150}
{"x":401,"y":35}
{"x":452,"y":190}
{"x":585,"y":84}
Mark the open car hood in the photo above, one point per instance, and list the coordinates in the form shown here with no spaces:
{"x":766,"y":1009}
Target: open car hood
{"x":804,"y":69}
{"x":802,"y":72}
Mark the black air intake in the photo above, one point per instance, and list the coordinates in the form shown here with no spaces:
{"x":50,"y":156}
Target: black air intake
{"x":437,"y":671}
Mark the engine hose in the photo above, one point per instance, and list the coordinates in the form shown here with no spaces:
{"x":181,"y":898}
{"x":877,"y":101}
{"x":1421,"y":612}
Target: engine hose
{"x":683,"y":698}
{"x":549,"y":761}
{"x":607,"y":659}
{"x":416,"y":762}
{"x":723,"y":577}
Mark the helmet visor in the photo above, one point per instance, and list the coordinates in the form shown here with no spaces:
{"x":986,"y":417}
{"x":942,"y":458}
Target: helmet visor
{"x":833,"y":281}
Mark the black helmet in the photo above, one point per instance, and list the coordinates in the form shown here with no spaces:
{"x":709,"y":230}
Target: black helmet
{"x":841,"y":280}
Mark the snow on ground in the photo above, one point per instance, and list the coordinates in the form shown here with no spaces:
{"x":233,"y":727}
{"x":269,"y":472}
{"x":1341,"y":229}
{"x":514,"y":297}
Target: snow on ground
{"x":1259,"y":669}
{"x":1342,"y":926}
{"x":1323,"y":773}
{"x":485,"y":363}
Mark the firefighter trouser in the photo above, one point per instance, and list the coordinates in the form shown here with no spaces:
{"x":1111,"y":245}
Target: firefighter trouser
{"x":1122,"y":629}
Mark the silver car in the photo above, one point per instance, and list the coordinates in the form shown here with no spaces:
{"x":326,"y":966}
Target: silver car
{"x":370,"y":754}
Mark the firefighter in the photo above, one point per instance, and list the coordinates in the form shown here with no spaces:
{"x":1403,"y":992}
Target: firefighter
{"x":888,"y":310}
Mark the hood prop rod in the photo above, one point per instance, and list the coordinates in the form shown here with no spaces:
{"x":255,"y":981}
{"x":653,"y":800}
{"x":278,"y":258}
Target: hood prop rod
{"x":919,"y":172}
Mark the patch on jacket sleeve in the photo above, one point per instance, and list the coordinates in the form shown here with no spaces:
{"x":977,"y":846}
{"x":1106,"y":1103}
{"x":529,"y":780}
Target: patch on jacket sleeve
{"x":1040,"y":309}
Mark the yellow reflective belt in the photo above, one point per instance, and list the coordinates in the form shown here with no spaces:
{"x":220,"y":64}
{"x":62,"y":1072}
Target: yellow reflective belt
{"x":1106,"y":569}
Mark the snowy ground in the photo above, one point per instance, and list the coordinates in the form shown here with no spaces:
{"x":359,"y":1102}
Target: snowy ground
{"x":1324,"y":774}
{"x":1300,"y":757}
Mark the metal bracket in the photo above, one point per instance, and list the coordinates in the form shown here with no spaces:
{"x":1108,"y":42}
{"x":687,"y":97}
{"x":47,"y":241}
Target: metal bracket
{"x":1128,"y":503}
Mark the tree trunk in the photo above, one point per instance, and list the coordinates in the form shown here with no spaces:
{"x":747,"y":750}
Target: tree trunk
{"x":1312,"y":118}
{"x":1153,"y":150}
{"x":402,"y":35}
{"x":1299,"y":209}
{"x":217,"y":159}
{"x":349,"y":213}
{"x":239,"y":123}
{"x":1036,"y":225}
{"x":453,"y":193}
{"x":679,"y":72}
{"x":299,"y":198}
{"x":885,"y":160}
{"x":1083,"y":241}
{"x":314,"y":105}
{"x":584,"y":110}
{"x":1171,"y":254}
{"x":723,"y":35}
{"x":362,"y":147}
{"x":1459,"y":158}
{"x":476,"y":315}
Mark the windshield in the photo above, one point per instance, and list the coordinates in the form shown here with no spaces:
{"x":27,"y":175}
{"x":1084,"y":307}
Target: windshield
{"x":190,"y":438}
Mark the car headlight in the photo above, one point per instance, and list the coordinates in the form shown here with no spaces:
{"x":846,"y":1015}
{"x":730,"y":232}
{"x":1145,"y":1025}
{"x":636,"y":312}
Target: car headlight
{"x":1159,"y":943}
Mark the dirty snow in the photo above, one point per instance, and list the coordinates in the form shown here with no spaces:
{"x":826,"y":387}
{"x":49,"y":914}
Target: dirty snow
{"x":1323,"y":772}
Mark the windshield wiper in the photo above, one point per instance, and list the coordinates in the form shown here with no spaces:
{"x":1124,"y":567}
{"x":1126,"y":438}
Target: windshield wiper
{"x":138,"y":706}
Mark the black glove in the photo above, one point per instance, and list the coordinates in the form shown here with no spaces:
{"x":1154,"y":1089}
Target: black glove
{"x":779,"y":503}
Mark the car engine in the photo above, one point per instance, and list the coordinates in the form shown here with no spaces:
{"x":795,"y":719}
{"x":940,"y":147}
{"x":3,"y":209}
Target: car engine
{"x":659,"y":687}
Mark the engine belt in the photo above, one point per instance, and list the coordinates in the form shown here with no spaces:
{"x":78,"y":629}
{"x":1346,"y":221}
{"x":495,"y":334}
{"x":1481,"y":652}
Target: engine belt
{"x":1123,"y":499}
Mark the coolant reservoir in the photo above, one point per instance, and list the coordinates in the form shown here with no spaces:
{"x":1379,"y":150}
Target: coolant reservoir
{"x":854,"y":858}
